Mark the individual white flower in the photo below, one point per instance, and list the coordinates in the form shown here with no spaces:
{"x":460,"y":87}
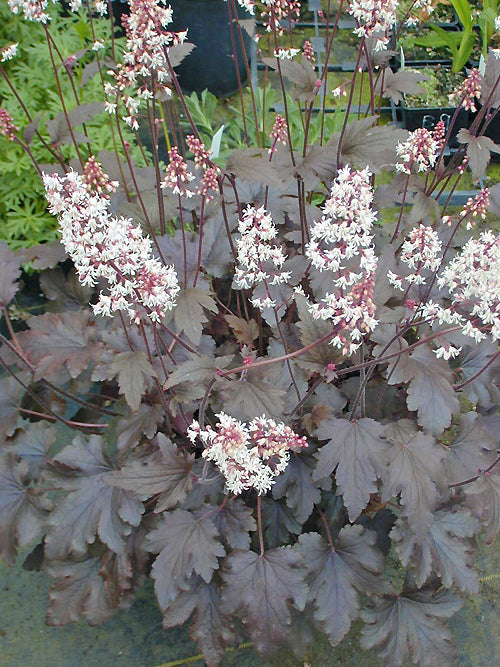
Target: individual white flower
{"x":8,"y":52}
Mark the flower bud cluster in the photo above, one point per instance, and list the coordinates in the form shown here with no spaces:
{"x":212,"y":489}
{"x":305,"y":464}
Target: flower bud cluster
{"x":420,"y":251}
{"x":476,"y":208}
{"x":278,"y":133}
{"x":104,"y":246}
{"x":96,"y":178}
{"x":146,"y":56}
{"x":7,"y":126}
{"x":177,"y":175}
{"x":341,"y":242}
{"x":375,"y":18}
{"x":250,"y":456}
{"x":308,"y":52}
{"x":419,"y":151}
{"x":258,"y":260}
{"x":469,"y":91}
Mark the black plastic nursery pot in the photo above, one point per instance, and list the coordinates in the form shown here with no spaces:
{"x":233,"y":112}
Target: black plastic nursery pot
{"x":212,"y":64}
{"x":415,"y":118}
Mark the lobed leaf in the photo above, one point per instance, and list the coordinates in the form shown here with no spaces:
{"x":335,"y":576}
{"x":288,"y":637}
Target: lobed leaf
{"x":336,"y":576}
{"x":259,"y":590}
{"x":184,"y":544}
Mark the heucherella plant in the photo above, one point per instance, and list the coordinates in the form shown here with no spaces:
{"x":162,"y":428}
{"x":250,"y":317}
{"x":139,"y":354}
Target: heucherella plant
{"x":274,"y":369}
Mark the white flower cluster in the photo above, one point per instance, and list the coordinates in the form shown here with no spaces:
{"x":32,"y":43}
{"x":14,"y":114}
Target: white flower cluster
{"x":258,"y":260}
{"x":32,"y":10}
{"x":420,"y":150}
{"x":104,"y":246}
{"x":147,"y":48}
{"x":375,"y":19}
{"x":250,"y":456}
{"x":420,"y":251}
{"x":8,"y":52}
{"x":341,"y":242}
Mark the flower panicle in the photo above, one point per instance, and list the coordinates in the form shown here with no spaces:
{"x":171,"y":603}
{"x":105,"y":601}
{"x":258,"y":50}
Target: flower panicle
{"x":249,"y":455}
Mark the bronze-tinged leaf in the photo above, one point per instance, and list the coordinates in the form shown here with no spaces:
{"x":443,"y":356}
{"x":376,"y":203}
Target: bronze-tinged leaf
{"x":78,"y":591}
{"x":62,"y":340}
{"x":23,"y":508}
{"x":184,"y":545}
{"x":473,"y":449}
{"x":444,"y":549}
{"x":197,"y":370}
{"x":483,"y":497}
{"x":166,"y":475}
{"x":211,"y":628}
{"x":133,"y":371}
{"x":189,"y":312}
{"x":411,"y":625}
{"x":357,"y":451}
{"x":414,"y":470}
{"x":479,"y":151}
{"x":92,"y":509}
{"x":430,"y":392}
{"x":337,"y":576}
{"x":259,"y":590}
{"x":245,"y":332}
{"x":296,"y":484}
{"x":10,"y":270}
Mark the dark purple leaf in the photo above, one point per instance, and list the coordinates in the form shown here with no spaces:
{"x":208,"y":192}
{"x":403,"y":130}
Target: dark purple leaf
{"x":10,"y":270}
{"x":133,"y":371}
{"x":415,"y":468}
{"x":411,"y":625}
{"x":395,"y":84}
{"x":184,"y":545}
{"x":143,"y":422}
{"x":34,"y":443}
{"x":479,"y":151}
{"x":63,"y":340}
{"x":252,"y":164}
{"x":357,"y":452}
{"x":31,"y":128}
{"x":189,"y":312}
{"x":210,"y":628}
{"x":430,"y":391}
{"x":337,"y":576}
{"x":310,"y":331}
{"x":197,"y":369}
{"x":278,"y":522}
{"x":58,"y":127}
{"x":167,"y":475}
{"x":253,"y":395}
{"x":473,"y":449}
{"x":490,"y":90}
{"x":92,"y":508}
{"x":481,"y":389}
{"x":296,"y":483}
{"x":10,"y":400}
{"x":443,"y":549}
{"x":301,"y":74}
{"x":23,"y":508}
{"x":234,"y":521}
{"x":44,"y":256}
{"x":483,"y":497}
{"x":66,"y":291}
{"x":259,"y":589}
